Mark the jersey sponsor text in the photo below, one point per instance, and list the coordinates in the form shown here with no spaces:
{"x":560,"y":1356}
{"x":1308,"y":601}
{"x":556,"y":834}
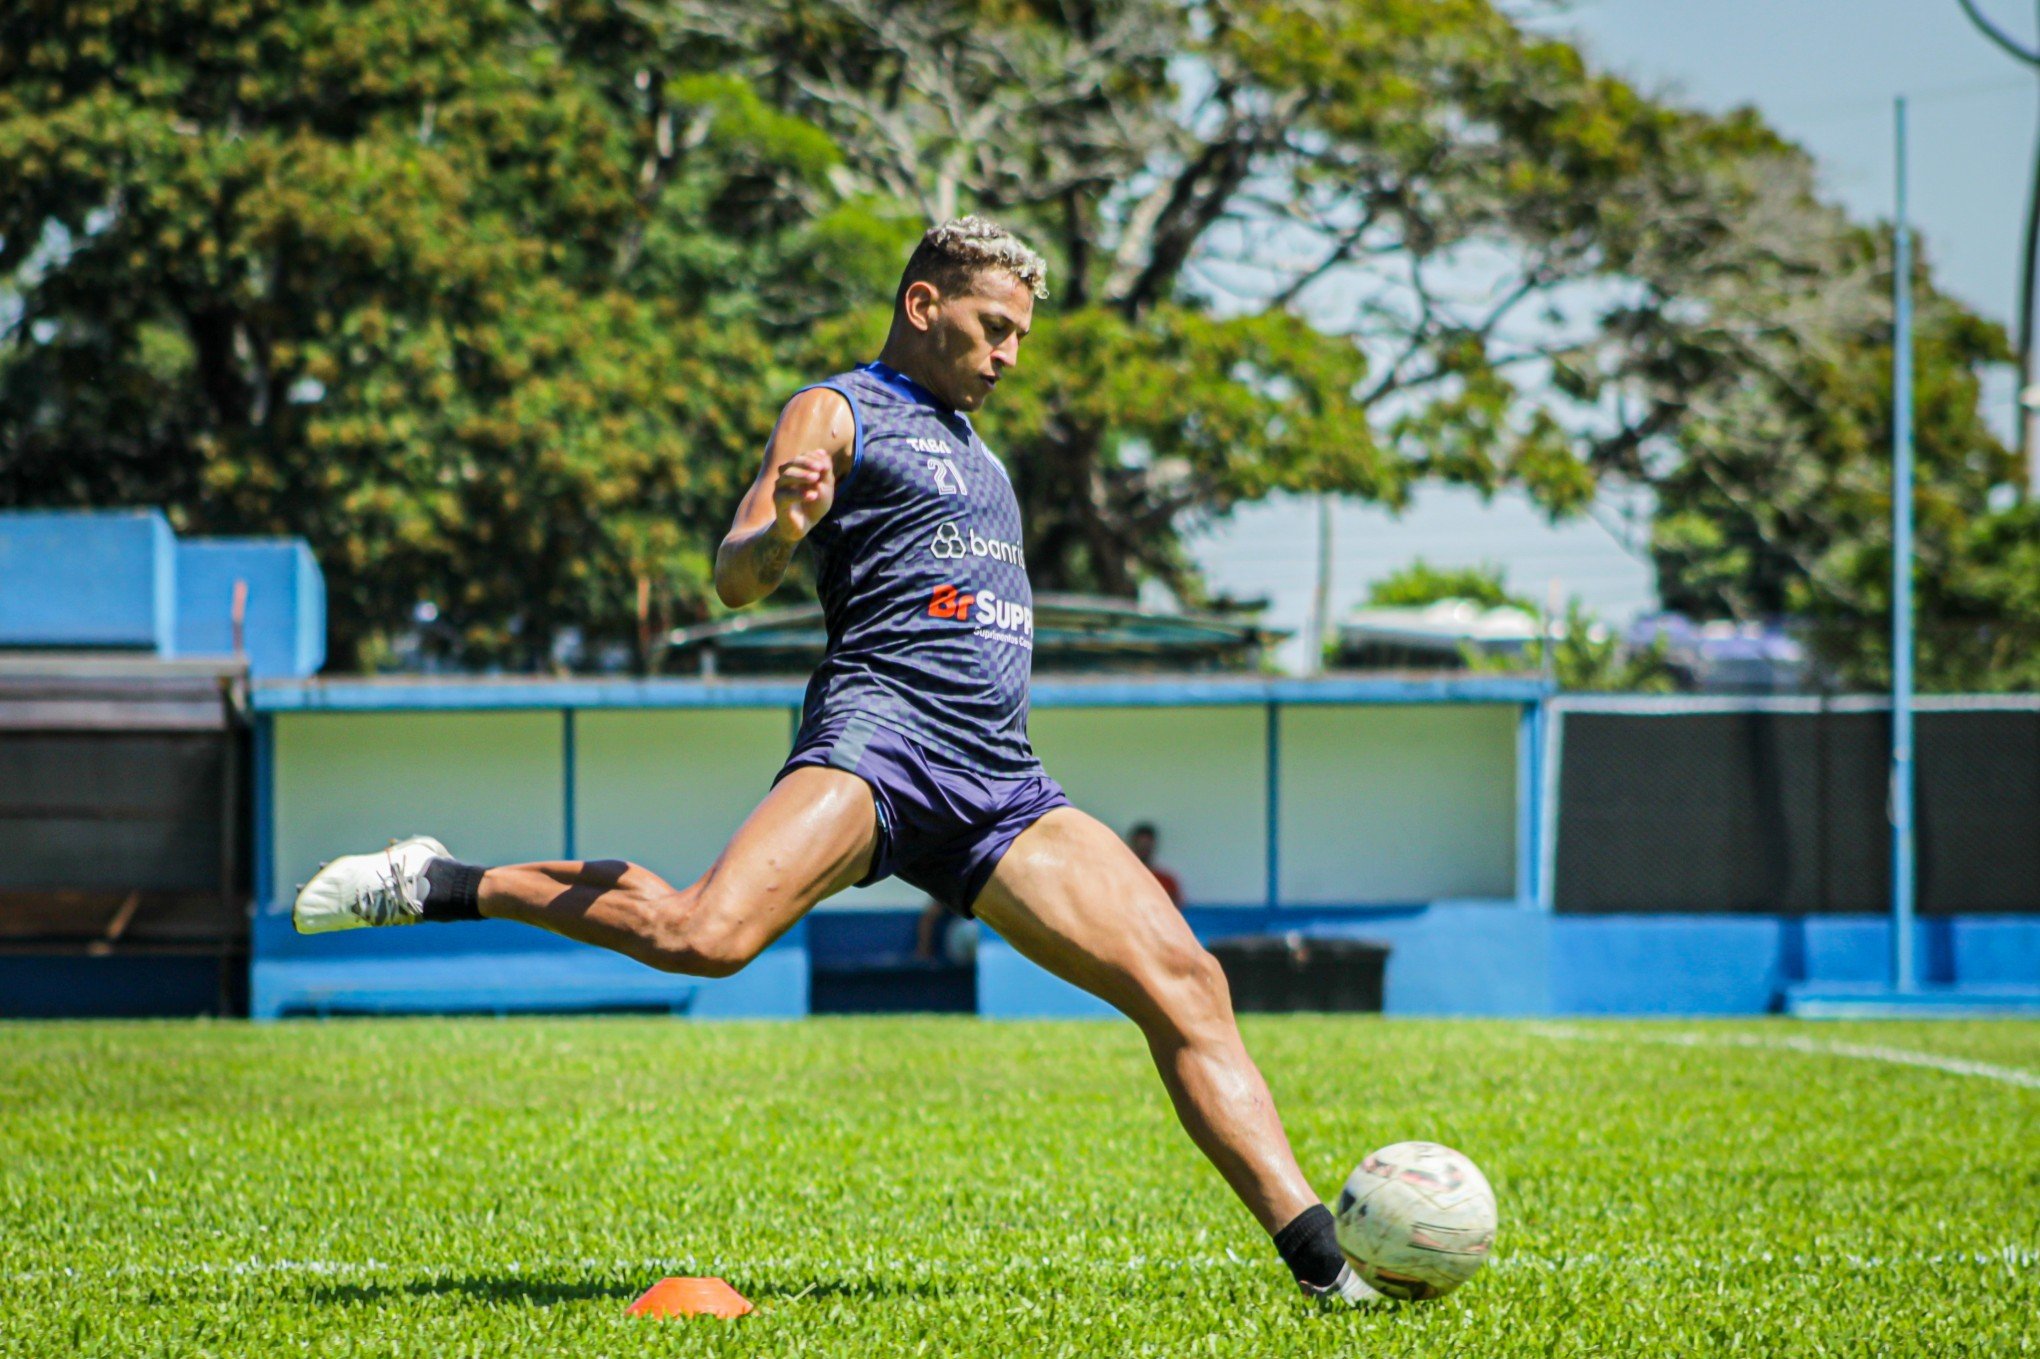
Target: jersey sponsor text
{"x":950,"y":544}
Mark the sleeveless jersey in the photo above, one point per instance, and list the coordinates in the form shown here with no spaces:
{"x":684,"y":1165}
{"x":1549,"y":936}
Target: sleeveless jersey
{"x":923,"y":584}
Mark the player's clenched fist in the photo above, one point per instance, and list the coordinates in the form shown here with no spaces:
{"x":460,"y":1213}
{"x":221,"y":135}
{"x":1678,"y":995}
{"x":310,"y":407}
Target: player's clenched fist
{"x":803,"y":493}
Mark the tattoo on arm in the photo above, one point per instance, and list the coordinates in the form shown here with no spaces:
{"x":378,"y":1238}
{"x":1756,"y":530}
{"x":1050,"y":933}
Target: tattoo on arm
{"x":752,"y":565}
{"x":773,"y":555}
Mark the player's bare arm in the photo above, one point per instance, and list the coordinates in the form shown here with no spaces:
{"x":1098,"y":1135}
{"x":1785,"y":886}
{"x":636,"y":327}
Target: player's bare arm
{"x":795,"y":488}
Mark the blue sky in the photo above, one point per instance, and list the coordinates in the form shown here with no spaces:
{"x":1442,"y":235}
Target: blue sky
{"x":1823,"y":72}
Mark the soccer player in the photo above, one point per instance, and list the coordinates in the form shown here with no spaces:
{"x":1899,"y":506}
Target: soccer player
{"x":912,"y":757}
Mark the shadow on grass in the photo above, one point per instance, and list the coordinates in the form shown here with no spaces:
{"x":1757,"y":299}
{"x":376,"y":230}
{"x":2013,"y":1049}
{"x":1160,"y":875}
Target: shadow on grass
{"x":796,"y":1287}
{"x":525,"y":1289}
{"x":488,"y":1288}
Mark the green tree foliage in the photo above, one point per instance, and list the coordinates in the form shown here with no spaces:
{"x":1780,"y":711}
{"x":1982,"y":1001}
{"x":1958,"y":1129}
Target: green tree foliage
{"x":1587,"y":657}
{"x":1461,"y":252}
{"x":471,"y":293}
{"x":495,"y":300}
{"x":1417,"y":206}
{"x":1779,"y":505}
{"x":1420,"y":583}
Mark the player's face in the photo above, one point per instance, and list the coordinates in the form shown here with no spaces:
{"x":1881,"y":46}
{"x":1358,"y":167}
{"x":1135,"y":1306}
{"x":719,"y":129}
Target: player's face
{"x":977,"y":336}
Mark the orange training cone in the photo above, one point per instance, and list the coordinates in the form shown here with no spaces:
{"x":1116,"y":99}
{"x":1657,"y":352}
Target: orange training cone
{"x":690,"y":1298}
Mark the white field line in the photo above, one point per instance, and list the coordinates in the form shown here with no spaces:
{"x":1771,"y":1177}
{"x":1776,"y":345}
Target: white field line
{"x":2011,"y":1257}
{"x":1959,"y":1066}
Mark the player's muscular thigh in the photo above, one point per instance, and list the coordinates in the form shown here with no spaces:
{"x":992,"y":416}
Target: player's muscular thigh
{"x":1071,"y":896}
{"x":812,"y":836}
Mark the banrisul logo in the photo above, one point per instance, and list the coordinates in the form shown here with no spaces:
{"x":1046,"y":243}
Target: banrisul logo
{"x":953,"y":544}
{"x":949,"y":544}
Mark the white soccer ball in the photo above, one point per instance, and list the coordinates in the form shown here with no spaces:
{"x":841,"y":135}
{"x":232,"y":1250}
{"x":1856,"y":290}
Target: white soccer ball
{"x":1416,"y":1219}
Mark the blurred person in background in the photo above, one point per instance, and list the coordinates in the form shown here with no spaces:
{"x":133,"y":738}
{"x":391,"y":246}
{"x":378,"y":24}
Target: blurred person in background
{"x":1143,"y":840}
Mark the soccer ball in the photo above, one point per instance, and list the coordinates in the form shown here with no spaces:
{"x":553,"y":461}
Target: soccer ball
{"x":1417,"y":1220}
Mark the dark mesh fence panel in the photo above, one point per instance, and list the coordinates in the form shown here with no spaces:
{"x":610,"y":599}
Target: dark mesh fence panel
{"x":1786,"y":812}
{"x":127,"y":811}
{"x":1979,"y":812}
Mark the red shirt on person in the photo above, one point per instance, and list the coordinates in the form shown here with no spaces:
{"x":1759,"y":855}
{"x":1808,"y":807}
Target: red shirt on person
{"x":1170,"y":883}
{"x":1142,"y":840}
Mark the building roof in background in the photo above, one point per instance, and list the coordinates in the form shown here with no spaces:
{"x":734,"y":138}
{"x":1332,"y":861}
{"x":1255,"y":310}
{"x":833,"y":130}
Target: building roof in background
{"x":94,"y":691}
{"x":1446,"y":625}
{"x":466,"y":693}
{"x":1072,"y":633}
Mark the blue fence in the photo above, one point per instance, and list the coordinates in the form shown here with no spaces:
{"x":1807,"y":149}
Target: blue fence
{"x":1503,"y":950}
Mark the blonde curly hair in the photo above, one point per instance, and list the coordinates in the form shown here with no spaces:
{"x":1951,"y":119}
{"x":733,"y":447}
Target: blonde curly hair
{"x":953,"y":254}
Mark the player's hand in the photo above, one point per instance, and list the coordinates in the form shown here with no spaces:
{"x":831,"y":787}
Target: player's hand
{"x":802,"y":495}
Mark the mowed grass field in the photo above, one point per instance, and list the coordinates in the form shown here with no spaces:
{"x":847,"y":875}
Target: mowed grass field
{"x":443,"y":1187}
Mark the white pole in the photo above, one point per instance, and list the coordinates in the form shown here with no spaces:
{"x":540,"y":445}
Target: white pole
{"x":1320,"y":631}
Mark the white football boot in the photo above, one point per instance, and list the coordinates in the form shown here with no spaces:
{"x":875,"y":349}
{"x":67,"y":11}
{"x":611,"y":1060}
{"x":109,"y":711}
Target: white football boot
{"x":1349,"y":1288}
{"x":386,"y":887}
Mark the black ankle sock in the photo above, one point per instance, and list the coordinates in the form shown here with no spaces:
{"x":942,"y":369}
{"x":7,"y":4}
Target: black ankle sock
{"x":1310,"y":1247}
{"x":452,"y":890}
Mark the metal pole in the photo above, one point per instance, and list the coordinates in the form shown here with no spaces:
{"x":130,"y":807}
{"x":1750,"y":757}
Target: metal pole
{"x":1273,"y":894}
{"x":1321,"y":597}
{"x":1904,"y":974}
{"x":2027,"y":404}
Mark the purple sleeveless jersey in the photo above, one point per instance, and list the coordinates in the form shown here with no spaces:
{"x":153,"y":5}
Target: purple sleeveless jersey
{"x":923,"y":584}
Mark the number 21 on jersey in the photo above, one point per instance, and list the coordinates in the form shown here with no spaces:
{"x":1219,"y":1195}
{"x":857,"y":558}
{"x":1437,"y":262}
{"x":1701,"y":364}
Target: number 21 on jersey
{"x":948,"y":481}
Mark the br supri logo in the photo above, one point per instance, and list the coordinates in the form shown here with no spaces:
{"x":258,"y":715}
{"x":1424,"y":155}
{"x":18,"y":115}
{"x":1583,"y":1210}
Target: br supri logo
{"x":1006,"y":620}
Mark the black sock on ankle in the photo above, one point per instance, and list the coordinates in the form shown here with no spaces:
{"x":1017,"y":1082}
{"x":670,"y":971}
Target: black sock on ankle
{"x":1310,"y":1247}
{"x":453,"y":890}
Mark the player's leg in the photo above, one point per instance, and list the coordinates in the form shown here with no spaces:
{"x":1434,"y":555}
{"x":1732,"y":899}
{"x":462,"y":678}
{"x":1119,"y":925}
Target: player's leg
{"x":810,"y":838}
{"x":813,"y":835}
{"x":1069,"y":895}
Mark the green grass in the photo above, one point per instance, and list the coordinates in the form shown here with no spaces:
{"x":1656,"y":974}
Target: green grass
{"x":476,"y":1187}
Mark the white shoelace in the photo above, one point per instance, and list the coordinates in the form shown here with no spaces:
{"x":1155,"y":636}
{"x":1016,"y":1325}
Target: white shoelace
{"x":393,"y":900}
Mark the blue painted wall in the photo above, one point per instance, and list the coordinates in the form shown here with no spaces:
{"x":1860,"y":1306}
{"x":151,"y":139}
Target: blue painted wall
{"x":1995,"y":950}
{"x":1483,"y":957}
{"x":92,"y":580}
{"x":285,"y":628}
{"x":1470,"y":958}
{"x":1479,"y":958}
{"x":1665,"y":965}
{"x":1465,"y":958}
{"x":88,"y":579}
{"x":120,"y":986}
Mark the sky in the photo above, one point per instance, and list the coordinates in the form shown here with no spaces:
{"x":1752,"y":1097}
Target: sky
{"x":1824,"y":73}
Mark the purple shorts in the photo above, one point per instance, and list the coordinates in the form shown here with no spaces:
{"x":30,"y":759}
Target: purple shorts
{"x":940,"y":828}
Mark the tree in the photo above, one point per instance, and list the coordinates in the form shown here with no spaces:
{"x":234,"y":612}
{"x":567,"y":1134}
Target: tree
{"x":495,"y":300}
{"x":1472,"y":258}
{"x":1314,"y":245}
{"x":484,"y":302}
{"x":2029,"y":263}
{"x":1778,"y":504}
{"x":1420,"y":583}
